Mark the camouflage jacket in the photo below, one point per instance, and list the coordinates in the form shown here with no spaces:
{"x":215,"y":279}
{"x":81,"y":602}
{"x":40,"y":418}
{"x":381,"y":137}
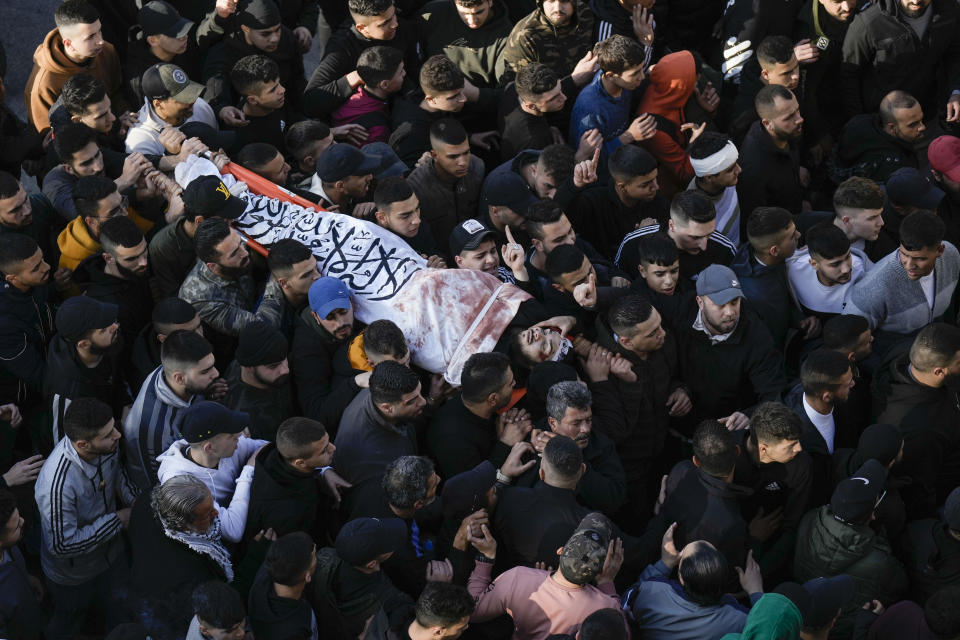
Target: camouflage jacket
{"x":535,"y":39}
{"x":226,"y":305}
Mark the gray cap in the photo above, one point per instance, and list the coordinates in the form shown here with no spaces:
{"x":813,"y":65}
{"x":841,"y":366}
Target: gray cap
{"x":719,"y":283}
{"x":165,"y":80}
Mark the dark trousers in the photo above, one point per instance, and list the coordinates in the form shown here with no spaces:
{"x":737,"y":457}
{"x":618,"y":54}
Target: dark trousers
{"x":100,"y":602}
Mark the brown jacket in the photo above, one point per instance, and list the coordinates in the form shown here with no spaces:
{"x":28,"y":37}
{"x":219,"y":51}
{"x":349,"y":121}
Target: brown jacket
{"x":52,"y":68}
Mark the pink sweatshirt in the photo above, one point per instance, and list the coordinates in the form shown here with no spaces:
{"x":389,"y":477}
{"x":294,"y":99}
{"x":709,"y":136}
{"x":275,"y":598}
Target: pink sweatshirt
{"x":538,"y":604}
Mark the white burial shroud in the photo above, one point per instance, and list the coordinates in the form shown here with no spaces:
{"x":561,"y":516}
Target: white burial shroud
{"x":446,"y":315}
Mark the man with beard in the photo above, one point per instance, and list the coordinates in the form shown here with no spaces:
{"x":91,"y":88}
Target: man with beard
{"x":919,"y":391}
{"x":81,"y":155}
{"x":26,"y":319}
{"x":259,"y":379}
{"x":380,"y":424}
{"x":770,"y":153}
{"x":826,"y":379}
{"x":603,"y":485}
{"x":473,"y":426}
{"x":874,"y":145}
{"x":119,"y":276}
{"x":882,"y":52}
{"x":408,"y":486}
{"x":557,"y":33}
{"x":294,"y":268}
{"x":343,"y":177}
{"x":171,"y":100}
{"x":775,"y":63}
{"x":325,"y":325}
{"x":84,"y":360}
{"x":84,"y":498}
{"x":821,"y":274}
{"x":220,"y":286}
{"x":717,"y":334}
{"x":96,"y":199}
{"x":944,"y":156}
{"x":186,"y":375}
{"x":911,"y":286}
{"x":28,"y":214}
{"x":823,"y":24}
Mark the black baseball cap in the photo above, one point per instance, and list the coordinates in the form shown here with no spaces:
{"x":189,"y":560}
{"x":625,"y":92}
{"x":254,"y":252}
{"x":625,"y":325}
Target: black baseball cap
{"x":363,"y":539}
{"x":80,"y":314}
{"x":165,"y":81}
{"x":206,"y":419}
{"x":468,"y":235}
{"x":343,"y":160}
{"x":508,"y":189}
{"x":207,"y":196}
{"x":161,"y":18}
{"x":855,"y":498}
{"x":259,"y":14}
{"x":827,"y":597}
{"x":907,"y":186}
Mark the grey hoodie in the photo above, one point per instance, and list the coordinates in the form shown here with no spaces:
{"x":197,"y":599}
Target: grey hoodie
{"x":78,"y":501}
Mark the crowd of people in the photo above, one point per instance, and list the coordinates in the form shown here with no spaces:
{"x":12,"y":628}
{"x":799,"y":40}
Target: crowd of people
{"x":678,"y":355}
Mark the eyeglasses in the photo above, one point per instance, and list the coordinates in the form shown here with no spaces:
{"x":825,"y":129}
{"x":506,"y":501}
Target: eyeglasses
{"x":117,"y":211}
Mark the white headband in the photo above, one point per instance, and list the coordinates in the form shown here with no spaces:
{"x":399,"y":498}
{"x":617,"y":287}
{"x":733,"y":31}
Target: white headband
{"x":717,"y":162}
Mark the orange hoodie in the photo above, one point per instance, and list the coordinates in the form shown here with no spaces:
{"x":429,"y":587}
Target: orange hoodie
{"x":672,"y":81}
{"x":52,"y":68}
{"x":76,"y":244}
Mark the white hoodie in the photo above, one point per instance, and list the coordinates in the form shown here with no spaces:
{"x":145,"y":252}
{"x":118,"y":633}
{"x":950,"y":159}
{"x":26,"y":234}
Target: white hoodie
{"x":229,"y":482}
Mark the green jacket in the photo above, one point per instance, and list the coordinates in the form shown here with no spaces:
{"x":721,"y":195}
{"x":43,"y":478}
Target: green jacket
{"x":535,"y":39}
{"x":828,"y":547}
{"x":774,"y":617}
{"x":477,"y":52}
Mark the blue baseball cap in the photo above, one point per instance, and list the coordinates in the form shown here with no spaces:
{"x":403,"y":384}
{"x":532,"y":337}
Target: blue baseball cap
{"x":327,"y":294}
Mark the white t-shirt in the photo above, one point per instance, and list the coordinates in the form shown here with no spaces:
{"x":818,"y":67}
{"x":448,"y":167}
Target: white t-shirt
{"x":812,"y":294}
{"x":927,"y":284}
{"x":824,"y":423}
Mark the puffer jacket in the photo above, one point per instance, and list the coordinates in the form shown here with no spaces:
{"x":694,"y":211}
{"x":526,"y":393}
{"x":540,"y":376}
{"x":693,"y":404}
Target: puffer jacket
{"x":672,"y":81}
{"x":881,"y":52}
{"x":78,"y":501}
{"x":535,"y":39}
{"x":828,"y":547}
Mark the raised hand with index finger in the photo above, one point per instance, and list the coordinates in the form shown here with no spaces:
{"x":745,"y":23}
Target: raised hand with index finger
{"x":585,"y":172}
